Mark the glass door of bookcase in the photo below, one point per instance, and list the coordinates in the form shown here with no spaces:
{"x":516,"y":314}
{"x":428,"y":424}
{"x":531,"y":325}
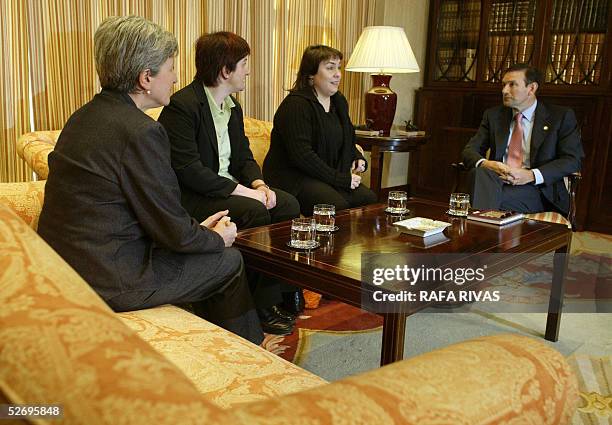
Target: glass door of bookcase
{"x":458,"y":29}
{"x":576,"y":48}
{"x":510,"y":36}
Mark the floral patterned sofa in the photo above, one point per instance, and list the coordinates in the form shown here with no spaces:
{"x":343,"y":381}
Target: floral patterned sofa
{"x":61,"y":344}
{"x":35,"y":147}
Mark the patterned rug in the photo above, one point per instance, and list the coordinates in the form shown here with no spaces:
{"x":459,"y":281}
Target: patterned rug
{"x":336,"y":340}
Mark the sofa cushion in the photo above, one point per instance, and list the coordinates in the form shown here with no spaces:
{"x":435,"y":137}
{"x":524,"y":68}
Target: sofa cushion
{"x":227,"y":369}
{"x":258,"y":133}
{"x":60,"y":343}
{"x":25,"y":198}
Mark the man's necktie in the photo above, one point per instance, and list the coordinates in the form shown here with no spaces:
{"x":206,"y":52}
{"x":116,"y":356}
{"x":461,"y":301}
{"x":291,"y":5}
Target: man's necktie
{"x":515,"y":147}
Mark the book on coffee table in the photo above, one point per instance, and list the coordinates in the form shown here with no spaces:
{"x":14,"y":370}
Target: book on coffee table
{"x":495,"y":216}
{"x":415,"y":133}
{"x":420,"y":226}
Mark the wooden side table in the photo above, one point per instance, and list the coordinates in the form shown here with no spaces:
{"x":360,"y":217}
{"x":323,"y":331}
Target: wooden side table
{"x":377,"y":145}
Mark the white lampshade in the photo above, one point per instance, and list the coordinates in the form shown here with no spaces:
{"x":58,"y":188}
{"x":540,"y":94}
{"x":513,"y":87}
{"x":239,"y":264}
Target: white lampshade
{"x":383,"y":50}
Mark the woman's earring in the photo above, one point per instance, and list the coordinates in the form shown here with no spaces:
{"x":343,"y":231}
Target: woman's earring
{"x":148,"y":91}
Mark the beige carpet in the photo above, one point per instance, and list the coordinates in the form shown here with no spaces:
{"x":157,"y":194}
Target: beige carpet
{"x":337,"y":340}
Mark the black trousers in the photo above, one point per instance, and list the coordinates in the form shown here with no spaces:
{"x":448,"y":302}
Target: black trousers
{"x":314,"y":192}
{"x":247,"y":213}
{"x":488,"y":191}
{"x":214,"y":284}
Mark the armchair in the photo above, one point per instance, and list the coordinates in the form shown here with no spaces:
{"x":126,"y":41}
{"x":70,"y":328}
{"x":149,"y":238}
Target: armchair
{"x":571,"y":183}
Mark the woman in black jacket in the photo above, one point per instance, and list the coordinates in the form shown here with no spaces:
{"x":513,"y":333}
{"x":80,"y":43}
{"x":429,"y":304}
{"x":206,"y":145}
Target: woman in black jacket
{"x":312,"y":152}
{"x":214,"y":163}
{"x":112,"y":201}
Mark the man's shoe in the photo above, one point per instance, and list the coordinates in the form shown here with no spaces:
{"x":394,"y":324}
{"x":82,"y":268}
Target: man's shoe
{"x":293,"y":302}
{"x":273,"y":324}
{"x":283,"y":314}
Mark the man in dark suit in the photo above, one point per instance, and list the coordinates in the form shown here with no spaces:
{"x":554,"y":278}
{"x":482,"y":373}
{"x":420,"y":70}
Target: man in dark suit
{"x":214,"y":163}
{"x":532,"y":146}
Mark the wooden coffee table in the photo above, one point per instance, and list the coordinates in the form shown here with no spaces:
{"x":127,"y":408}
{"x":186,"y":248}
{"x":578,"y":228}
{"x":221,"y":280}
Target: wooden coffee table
{"x":334,"y":269}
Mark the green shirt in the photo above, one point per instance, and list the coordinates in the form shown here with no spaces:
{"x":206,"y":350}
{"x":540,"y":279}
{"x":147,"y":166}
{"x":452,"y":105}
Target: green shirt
{"x":221,"y":118}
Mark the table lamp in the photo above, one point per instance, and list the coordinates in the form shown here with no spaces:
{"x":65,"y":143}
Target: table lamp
{"x":382,"y":51}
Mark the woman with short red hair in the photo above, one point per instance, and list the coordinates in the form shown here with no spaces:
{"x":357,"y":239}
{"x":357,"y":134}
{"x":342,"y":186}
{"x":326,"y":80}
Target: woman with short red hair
{"x":214,"y":163}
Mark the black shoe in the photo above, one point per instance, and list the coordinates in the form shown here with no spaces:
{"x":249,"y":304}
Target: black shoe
{"x":273,"y":324}
{"x":293,"y":302}
{"x":283,"y":314}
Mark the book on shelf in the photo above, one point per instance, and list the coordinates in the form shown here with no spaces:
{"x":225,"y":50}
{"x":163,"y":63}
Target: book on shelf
{"x":495,"y":216}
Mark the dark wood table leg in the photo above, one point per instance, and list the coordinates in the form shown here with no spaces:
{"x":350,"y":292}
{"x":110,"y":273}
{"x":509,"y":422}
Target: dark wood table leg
{"x":394,"y":329}
{"x":376,"y":163}
{"x":555,"y":305}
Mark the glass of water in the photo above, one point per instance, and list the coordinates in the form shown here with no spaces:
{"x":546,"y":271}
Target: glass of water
{"x":459,"y":204}
{"x":303,"y":233}
{"x":325,"y":217}
{"x":397,"y":202}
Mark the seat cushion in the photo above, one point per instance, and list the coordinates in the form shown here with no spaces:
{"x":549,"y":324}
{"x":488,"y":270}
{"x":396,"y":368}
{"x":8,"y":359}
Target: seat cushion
{"x":25,"y":198}
{"x":225,"y":368}
{"x":550,"y":217}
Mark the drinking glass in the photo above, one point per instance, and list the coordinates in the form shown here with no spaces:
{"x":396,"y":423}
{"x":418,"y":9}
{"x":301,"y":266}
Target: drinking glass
{"x":303,"y":233}
{"x":459,"y":204}
{"x":397,"y":202}
{"x":325,"y":217}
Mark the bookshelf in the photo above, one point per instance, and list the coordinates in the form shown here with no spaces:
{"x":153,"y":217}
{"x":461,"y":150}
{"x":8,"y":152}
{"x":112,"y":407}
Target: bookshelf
{"x":472,"y":42}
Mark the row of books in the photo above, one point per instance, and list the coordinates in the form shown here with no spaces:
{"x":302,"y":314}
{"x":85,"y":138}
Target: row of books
{"x":456,"y":64}
{"x":461,"y":21}
{"x":512,"y":16}
{"x":575,"y":59}
{"x":585,"y":15}
{"x":505,"y":50}
{"x":572,"y":58}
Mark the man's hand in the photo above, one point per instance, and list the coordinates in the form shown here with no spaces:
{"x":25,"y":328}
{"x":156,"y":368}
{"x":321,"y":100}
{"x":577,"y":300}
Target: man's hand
{"x":270,"y":196}
{"x":497,"y":167}
{"x":355,"y":181}
{"x":250,"y":193}
{"x":211,"y":221}
{"x":227,"y":230}
{"x":520,"y":176}
{"x":358,"y":166}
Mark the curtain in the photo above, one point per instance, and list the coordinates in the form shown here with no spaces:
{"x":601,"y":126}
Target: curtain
{"x":14,"y":72}
{"x":59,"y":49}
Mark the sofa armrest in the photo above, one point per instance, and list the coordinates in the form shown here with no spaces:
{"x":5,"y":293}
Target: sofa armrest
{"x":496,"y":379}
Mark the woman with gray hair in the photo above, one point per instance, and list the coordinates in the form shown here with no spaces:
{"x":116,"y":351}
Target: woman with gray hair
{"x":112,"y":202}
